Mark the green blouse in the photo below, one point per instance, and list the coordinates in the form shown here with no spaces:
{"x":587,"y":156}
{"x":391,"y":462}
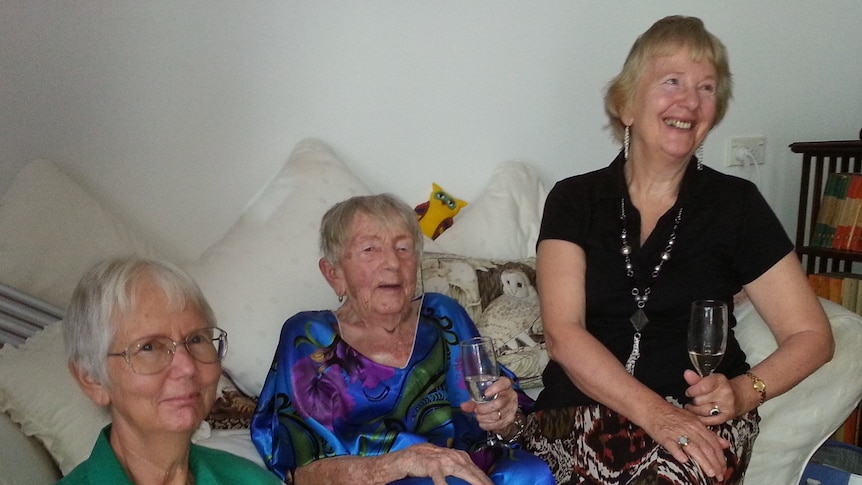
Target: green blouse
{"x":208,"y":466}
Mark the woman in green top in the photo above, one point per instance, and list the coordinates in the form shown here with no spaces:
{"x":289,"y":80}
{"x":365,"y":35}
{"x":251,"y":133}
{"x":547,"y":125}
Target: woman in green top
{"x":141,"y":339}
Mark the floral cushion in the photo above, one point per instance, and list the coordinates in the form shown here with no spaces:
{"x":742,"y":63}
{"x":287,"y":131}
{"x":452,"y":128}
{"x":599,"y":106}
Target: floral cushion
{"x":500,"y":296}
{"x":232,"y":408}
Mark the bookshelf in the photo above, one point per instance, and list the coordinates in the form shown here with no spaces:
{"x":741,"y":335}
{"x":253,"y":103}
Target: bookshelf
{"x":819,"y":160}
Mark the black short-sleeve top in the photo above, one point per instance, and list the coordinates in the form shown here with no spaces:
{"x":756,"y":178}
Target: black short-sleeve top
{"x":727,"y":237}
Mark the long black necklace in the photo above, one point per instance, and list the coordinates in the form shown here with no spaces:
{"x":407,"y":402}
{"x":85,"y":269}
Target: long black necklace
{"x":639,"y":319}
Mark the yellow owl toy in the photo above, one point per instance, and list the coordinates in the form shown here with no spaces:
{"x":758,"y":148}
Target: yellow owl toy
{"x":435,"y":215}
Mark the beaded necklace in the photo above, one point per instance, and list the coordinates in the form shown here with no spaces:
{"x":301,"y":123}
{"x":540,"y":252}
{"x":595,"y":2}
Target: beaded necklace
{"x":639,"y":319}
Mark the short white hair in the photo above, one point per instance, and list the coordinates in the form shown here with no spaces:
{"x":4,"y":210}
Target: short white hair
{"x":107,"y":292}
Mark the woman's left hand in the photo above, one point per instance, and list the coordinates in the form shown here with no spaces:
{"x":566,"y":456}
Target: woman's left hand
{"x":498,"y":415}
{"x":713,"y":398}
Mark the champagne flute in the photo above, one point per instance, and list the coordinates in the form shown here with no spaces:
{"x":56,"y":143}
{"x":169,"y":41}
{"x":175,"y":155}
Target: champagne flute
{"x":707,"y":335}
{"x":479,"y":364}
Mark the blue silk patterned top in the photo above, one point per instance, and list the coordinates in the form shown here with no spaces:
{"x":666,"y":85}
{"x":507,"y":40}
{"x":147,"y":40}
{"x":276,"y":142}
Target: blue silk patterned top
{"x":322,"y":398}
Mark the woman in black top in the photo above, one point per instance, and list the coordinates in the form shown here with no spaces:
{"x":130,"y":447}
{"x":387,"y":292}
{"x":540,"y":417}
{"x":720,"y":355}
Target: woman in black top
{"x":622,"y":253}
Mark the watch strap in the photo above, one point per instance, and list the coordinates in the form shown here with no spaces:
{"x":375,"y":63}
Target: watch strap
{"x":758,"y":386}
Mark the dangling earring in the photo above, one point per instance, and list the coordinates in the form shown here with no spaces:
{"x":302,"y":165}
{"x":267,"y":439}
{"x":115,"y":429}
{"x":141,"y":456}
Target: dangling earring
{"x":699,"y":156}
{"x":340,"y":298}
{"x":626,"y":140}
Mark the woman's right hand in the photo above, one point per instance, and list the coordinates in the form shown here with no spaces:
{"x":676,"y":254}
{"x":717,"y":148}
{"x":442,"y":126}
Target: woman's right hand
{"x":669,"y":424}
{"x":422,"y":460}
{"x":436,"y":462}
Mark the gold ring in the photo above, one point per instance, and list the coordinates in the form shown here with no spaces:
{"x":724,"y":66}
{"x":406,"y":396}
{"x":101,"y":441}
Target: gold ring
{"x":683,"y":441}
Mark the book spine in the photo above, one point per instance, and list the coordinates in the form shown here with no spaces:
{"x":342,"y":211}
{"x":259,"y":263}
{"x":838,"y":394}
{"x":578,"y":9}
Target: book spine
{"x":855,"y":239}
{"x":858,"y":308}
{"x":839,"y":207}
{"x":835,"y":284}
{"x":846,"y":216}
{"x":823,"y":214}
{"x":857,"y":440}
{"x":819,"y":284}
{"x":849,"y":289}
{"x":847,"y":432}
{"x":823,"y":286}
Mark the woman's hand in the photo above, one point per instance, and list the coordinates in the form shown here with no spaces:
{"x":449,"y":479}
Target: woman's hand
{"x":437,"y":463}
{"x":422,"y":460}
{"x":685,"y":436}
{"x":713,"y":402}
{"x":714,"y":399}
{"x":498,"y":415}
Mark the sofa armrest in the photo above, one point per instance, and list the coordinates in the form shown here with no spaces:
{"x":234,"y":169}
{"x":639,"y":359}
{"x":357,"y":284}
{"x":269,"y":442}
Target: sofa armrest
{"x":796,"y":423}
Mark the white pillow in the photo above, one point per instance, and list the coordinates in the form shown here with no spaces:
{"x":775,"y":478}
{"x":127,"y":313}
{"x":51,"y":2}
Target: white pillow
{"x":794,"y":424}
{"x":39,"y":393}
{"x":265,"y":269}
{"x":503,"y":223}
{"x":52,"y":230}
{"x":236,"y":441}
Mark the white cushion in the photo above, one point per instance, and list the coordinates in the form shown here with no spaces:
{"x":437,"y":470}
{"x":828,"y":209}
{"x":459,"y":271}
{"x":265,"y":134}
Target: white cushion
{"x":23,"y":459}
{"x":39,"y":393}
{"x":52,"y":230}
{"x":794,"y":424}
{"x":503,"y":222}
{"x":236,"y":441}
{"x":265,"y":268}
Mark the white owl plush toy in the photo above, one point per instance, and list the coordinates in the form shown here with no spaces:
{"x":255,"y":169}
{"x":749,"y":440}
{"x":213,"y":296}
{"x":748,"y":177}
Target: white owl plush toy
{"x":511,"y":317}
{"x":514,"y":323}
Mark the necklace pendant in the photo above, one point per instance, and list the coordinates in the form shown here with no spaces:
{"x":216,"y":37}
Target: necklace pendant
{"x":639,"y":319}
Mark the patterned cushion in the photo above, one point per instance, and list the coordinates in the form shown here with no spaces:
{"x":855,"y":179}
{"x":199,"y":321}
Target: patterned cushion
{"x":232,"y":409}
{"x":500,"y":296}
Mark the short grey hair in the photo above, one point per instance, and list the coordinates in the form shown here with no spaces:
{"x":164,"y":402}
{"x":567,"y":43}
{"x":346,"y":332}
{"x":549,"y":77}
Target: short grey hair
{"x":386,"y":208}
{"x":107,"y":292}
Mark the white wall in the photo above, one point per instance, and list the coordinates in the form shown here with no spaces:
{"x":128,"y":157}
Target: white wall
{"x":176,"y":112}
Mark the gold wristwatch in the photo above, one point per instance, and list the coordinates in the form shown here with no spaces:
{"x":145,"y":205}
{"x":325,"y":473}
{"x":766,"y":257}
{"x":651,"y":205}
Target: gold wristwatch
{"x":758,"y":386}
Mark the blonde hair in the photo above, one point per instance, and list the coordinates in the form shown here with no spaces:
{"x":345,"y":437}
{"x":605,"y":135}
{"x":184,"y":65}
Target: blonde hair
{"x":663,"y":38}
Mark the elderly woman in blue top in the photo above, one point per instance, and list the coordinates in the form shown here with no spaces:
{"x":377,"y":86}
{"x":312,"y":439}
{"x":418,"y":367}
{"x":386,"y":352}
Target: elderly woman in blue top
{"x":141,"y":339}
{"x":372,"y":392}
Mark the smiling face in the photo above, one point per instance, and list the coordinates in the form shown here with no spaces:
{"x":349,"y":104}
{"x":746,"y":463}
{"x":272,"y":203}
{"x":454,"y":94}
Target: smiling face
{"x":377,"y":268}
{"x":174,"y":400}
{"x":673,"y":107}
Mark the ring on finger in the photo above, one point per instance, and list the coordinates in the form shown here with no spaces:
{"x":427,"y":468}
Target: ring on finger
{"x":499,"y":415}
{"x":683,"y":441}
{"x":714,"y":411}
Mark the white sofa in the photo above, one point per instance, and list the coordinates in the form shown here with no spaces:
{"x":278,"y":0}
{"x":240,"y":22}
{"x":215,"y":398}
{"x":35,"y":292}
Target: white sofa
{"x":265,"y":269}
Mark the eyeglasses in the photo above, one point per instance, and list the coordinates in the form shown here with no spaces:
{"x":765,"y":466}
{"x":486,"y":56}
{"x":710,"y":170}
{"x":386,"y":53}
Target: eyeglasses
{"x":152,"y":355}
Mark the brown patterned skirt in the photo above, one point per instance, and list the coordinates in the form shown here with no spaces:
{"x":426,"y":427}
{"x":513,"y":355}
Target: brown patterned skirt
{"x":595,"y":446}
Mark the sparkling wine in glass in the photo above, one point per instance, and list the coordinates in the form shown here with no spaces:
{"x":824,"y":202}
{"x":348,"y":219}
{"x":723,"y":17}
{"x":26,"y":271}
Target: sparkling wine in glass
{"x":707,"y":335}
{"x":480,"y":367}
{"x":479,"y":364}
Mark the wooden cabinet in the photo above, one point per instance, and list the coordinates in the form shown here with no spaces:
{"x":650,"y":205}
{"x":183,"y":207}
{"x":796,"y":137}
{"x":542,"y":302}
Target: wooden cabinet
{"x":819,"y":159}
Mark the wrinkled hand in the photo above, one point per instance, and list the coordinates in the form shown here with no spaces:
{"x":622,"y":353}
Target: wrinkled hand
{"x":436,"y":462}
{"x":669,"y":423}
{"x":496,"y":416}
{"x":711,"y":392}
